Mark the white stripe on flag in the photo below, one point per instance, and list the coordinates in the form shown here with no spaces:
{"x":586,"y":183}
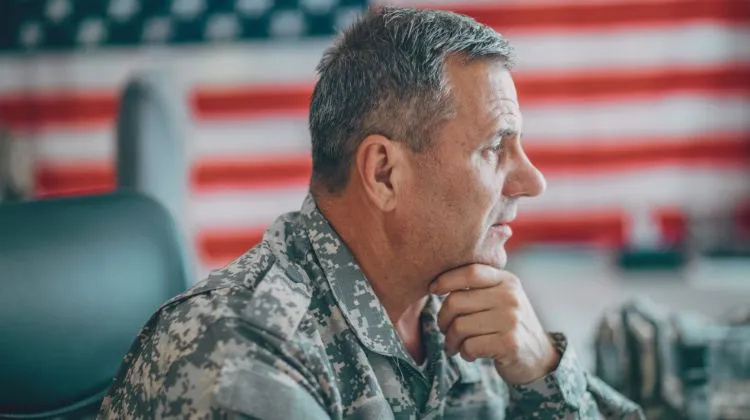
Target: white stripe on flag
{"x":671,"y":117}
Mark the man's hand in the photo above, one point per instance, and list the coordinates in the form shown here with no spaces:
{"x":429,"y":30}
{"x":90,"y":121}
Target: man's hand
{"x":487,"y":315}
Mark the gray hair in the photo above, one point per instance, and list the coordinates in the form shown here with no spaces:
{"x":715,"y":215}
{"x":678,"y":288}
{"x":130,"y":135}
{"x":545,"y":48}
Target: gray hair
{"x":385,"y":75}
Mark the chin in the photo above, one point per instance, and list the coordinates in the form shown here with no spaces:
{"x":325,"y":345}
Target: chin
{"x":497,"y":257}
{"x":501,"y":261}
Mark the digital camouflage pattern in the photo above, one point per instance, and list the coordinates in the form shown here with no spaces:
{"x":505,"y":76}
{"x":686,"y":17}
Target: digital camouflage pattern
{"x":293,"y":330}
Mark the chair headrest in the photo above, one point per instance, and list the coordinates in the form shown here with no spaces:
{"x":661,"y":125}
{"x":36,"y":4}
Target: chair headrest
{"x":78,"y":279}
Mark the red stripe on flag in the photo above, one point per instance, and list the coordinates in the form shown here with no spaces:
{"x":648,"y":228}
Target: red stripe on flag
{"x":607,"y":228}
{"x":262,"y":100}
{"x":575,"y":17}
{"x":673,"y":225}
{"x":270,"y":172}
{"x":602,"y":157}
{"x":34,"y":110}
{"x":73,"y":179}
{"x":555,"y":159}
{"x":218,"y":247}
{"x":256,"y":100}
{"x":294,"y":170}
{"x":632,"y":83}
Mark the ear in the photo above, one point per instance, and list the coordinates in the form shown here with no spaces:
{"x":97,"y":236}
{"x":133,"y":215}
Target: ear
{"x":380,"y":168}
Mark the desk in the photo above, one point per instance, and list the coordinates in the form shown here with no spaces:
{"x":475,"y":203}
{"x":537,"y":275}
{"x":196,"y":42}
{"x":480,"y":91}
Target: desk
{"x":572,"y":288}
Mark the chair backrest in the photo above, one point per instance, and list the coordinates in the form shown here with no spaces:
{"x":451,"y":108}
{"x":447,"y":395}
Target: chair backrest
{"x":152,"y":140}
{"x":78,"y":279}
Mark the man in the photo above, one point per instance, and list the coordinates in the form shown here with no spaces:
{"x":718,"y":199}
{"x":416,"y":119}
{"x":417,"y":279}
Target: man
{"x":385,"y":296}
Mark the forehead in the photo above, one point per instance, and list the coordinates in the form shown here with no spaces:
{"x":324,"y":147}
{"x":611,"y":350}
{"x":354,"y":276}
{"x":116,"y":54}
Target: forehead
{"x":483,"y":90}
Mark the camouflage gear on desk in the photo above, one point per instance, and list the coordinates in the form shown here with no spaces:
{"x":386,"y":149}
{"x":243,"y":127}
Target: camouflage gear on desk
{"x":293,"y":330}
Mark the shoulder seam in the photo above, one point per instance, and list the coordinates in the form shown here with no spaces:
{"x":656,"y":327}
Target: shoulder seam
{"x":190,"y":293}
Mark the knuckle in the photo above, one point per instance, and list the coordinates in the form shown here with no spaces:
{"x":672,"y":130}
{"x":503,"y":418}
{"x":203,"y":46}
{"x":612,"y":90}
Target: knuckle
{"x":513,"y":318}
{"x":512,"y":280}
{"x":476,"y":270}
{"x":512,"y":301}
{"x":514,"y":345}
{"x":449,"y":303}
{"x":469,"y":349}
{"x":496,"y":291}
{"x":460,"y":326}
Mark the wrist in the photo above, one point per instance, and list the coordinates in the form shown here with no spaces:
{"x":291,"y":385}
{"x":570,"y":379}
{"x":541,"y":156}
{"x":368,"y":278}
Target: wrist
{"x":548,"y":360}
{"x":564,"y":385}
{"x":557,"y":344}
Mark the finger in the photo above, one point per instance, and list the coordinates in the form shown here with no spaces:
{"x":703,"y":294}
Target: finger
{"x":465,"y":302}
{"x":480,"y":347}
{"x":473,"y":276}
{"x":506,"y":350}
{"x":477,"y":324}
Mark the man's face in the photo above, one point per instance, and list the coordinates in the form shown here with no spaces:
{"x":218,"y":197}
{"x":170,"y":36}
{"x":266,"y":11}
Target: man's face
{"x":466,"y":187}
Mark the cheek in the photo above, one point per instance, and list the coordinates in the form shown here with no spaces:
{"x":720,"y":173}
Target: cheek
{"x":465,"y":193}
{"x":488,"y":182}
{"x":428,"y":196}
{"x":474,"y":196}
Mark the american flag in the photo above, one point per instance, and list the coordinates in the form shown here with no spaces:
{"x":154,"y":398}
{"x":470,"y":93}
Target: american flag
{"x":631,"y":108}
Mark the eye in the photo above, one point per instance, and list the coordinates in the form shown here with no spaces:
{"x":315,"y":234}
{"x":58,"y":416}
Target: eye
{"x":498,"y":147}
{"x":494,"y":153}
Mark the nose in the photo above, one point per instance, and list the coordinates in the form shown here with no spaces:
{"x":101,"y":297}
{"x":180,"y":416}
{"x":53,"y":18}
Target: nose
{"x":524,"y":179}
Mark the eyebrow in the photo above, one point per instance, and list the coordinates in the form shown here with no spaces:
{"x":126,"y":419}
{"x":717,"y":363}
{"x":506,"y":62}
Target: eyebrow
{"x":504,"y":132}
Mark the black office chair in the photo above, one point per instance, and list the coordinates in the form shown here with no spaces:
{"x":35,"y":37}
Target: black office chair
{"x":78,"y":279}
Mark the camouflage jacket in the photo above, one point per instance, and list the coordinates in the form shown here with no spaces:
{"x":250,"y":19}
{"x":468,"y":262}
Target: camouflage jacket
{"x":293,"y":330}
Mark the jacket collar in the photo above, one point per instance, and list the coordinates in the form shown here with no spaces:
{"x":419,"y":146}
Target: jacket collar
{"x":360,"y":306}
{"x":362,"y":309}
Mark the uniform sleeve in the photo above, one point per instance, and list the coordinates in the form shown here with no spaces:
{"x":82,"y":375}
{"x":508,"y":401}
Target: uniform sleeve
{"x":569,"y":392}
{"x":232,"y":370}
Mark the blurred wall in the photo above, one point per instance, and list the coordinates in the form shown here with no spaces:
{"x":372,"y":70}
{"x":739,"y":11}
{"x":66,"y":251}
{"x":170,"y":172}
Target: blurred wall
{"x":634,"y":110}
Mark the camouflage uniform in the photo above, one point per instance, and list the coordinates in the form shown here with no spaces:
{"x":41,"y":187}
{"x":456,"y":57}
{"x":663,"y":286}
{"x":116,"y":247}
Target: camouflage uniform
{"x":293,"y":330}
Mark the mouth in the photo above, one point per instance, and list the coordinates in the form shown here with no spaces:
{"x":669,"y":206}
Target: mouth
{"x":503,"y":229}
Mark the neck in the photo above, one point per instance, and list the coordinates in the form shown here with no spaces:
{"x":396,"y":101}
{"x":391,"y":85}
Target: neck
{"x":392,"y":275}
